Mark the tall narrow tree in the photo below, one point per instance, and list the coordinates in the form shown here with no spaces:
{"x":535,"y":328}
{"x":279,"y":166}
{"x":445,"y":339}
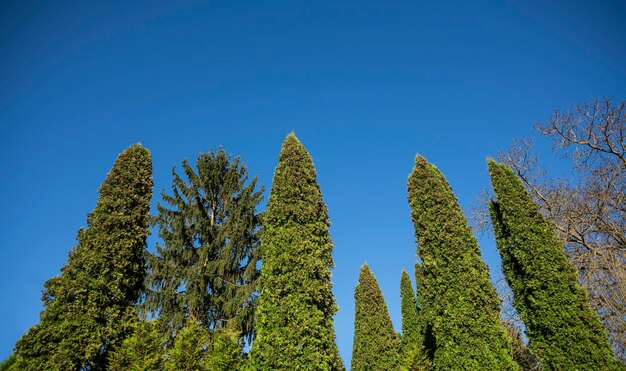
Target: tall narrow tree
{"x":88,"y":309}
{"x":564,"y":332}
{"x":413,"y":352}
{"x":205,"y":271}
{"x":296,"y":305}
{"x":462,"y":307}
{"x":376,"y":345}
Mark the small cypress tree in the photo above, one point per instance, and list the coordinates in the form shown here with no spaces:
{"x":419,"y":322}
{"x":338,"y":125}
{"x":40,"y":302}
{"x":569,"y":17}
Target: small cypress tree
{"x":206,"y":268}
{"x":88,"y":309}
{"x":564,"y":332}
{"x":376,"y":345}
{"x":142,"y":350}
{"x":196,"y":348}
{"x":413,"y":353}
{"x":189,"y":351}
{"x":462,"y":307}
{"x":294,"y":319}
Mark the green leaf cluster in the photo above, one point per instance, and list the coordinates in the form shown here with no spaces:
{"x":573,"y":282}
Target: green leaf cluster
{"x":294,"y":318}
{"x":564,"y":332}
{"x":376,"y":344}
{"x":197,"y":349}
{"x":460,"y":305}
{"x":88,"y":308}
{"x":142,"y":350}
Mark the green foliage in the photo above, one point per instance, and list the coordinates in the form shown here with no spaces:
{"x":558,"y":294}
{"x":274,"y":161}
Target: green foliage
{"x":11,"y":363}
{"x":88,"y":309}
{"x":413,"y":353}
{"x":411,"y":326}
{"x":460,"y":304}
{"x":294,"y":318}
{"x":376,"y":345}
{"x":206,"y":269}
{"x":142,"y":350}
{"x":564,"y":332}
{"x":197,"y":348}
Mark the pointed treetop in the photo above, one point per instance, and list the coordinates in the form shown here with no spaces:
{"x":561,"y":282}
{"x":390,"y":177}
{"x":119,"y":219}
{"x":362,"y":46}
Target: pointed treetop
{"x":376,"y":344}
{"x":294,"y":149}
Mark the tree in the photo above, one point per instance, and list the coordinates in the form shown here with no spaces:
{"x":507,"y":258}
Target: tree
{"x":142,"y":350}
{"x":88,"y":309}
{"x":197,"y":348}
{"x":296,"y":305}
{"x":376,"y":345}
{"x":564,"y":332}
{"x":460,"y":304}
{"x":586,"y":207}
{"x":206,"y":268}
{"x":413,"y":352}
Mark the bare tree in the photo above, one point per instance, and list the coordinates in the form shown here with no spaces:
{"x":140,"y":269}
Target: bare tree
{"x":588,"y":207}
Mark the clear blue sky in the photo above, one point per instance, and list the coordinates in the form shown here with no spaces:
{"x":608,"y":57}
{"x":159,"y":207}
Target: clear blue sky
{"x":365,"y":85}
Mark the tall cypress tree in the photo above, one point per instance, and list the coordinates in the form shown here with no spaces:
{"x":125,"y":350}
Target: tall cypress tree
{"x":294,"y":318}
{"x":376,"y":345}
{"x":564,"y":332}
{"x":413,"y":352}
{"x":205,"y":271}
{"x":88,"y":309}
{"x":462,"y":307}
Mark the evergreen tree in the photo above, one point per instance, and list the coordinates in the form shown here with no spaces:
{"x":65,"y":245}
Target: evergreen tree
{"x":206,"y":268}
{"x":413,"y":353}
{"x":88,"y":309}
{"x":376,"y":345}
{"x":197,"y":349}
{"x":564,"y":332}
{"x":461,"y":305}
{"x":296,"y":305}
{"x":142,"y":350}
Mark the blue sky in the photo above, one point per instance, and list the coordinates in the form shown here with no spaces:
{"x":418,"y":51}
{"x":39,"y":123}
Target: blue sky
{"x":365,"y":85}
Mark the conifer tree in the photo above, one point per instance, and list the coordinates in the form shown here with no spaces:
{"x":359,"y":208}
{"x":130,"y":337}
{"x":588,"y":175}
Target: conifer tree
{"x":461,"y":305}
{"x":196,"y":348}
{"x":294,"y":319}
{"x":564,"y":332}
{"x":142,"y":350}
{"x":413,"y":352}
{"x":88,"y":308}
{"x":206,"y":270}
{"x":376,"y":344}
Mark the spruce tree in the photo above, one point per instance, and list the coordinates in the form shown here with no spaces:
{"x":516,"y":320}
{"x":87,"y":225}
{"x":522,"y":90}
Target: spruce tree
{"x":461,"y":305}
{"x":205,"y":270}
{"x":413,"y":352}
{"x":564,"y":332}
{"x":294,"y":319}
{"x":376,"y":345}
{"x":88,"y":308}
